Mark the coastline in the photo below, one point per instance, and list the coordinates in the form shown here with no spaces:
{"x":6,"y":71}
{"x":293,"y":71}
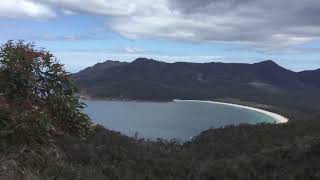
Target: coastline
{"x":82,"y":97}
{"x":278,"y":118}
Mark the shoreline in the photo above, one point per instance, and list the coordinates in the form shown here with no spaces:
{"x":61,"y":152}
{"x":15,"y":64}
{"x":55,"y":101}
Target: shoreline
{"x":122,"y":99}
{"x":277,"y":117}
{"x":126,"y":100}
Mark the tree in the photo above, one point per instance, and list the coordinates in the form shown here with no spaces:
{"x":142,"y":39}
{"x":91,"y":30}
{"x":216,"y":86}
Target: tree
{"x":41,"y":95}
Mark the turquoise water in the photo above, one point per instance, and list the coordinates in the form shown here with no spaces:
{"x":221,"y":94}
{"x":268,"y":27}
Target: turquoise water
{"x":180,"y":120}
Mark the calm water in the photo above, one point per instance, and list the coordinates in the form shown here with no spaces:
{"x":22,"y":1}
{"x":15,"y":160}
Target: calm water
{"x":180,"y":120}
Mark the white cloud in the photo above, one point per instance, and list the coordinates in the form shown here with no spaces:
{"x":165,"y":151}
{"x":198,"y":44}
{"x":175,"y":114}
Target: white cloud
{"x":108,"y":7}
{"x":248,"y":21}
{"x":24,"y":9}
{"x":133,"y":50}
{"x":68,"y":12}
{"x":265,"y":25}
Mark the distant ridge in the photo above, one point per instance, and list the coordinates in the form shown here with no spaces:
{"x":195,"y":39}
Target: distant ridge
{"x":311,"y":77}
{"x":103,"y":66}
{"x":148,"y":79}
{"x":144,"y":60}
{"x":267,"y":62}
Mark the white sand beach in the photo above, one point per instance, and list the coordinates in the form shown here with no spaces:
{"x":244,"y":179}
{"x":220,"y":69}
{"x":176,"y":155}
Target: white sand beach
{"x":278,"y":118}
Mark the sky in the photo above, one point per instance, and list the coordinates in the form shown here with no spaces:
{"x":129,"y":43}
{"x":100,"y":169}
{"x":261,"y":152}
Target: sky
{"x":82,"y":33}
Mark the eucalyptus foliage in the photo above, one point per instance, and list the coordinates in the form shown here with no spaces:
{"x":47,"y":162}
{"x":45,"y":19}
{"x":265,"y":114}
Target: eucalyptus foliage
{"x":42,"y":99}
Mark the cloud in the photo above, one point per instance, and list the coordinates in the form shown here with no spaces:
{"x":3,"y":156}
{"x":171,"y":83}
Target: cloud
{"x":260,"y":24}
{"x":265,"y":25}
{"x":133,"y":50}
{"x":104,"y":7}
{"x":93,"y":35}
{"x":25,"y":9}
{"x":68,"y":12}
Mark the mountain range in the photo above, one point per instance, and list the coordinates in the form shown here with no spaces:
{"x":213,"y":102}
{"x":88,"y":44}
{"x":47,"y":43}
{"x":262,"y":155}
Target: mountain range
{"x":148,"y":79}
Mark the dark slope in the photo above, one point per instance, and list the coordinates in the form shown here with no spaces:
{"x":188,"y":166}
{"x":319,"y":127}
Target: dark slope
{"x":311,"y":77}
{"x":97,"y":71}
{"x":147,"y":79}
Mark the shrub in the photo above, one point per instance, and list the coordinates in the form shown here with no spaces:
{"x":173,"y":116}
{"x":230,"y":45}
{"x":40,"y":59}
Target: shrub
{"x":42,"y":98}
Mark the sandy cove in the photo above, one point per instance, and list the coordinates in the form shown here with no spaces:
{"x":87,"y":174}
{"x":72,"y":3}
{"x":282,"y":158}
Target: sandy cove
{"x":278,"y":118}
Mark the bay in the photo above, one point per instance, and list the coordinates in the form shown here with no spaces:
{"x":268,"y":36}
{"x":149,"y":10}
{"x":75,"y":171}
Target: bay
{"x":168,"y":120}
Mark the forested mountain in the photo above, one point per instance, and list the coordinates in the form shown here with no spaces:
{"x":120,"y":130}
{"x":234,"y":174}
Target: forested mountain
{"x":99,"y":68}
{"x":311,"y":77}
{"x":147,"y":79}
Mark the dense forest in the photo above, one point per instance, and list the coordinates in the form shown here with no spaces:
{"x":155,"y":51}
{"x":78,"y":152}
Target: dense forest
{"x":45,"y":135}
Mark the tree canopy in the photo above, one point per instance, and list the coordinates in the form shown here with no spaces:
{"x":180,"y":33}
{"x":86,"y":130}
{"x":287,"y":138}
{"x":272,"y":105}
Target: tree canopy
{"x":41,"y":98}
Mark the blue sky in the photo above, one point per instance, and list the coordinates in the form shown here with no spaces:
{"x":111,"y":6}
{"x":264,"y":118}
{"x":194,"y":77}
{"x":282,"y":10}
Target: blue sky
{"x":82,"y":33}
